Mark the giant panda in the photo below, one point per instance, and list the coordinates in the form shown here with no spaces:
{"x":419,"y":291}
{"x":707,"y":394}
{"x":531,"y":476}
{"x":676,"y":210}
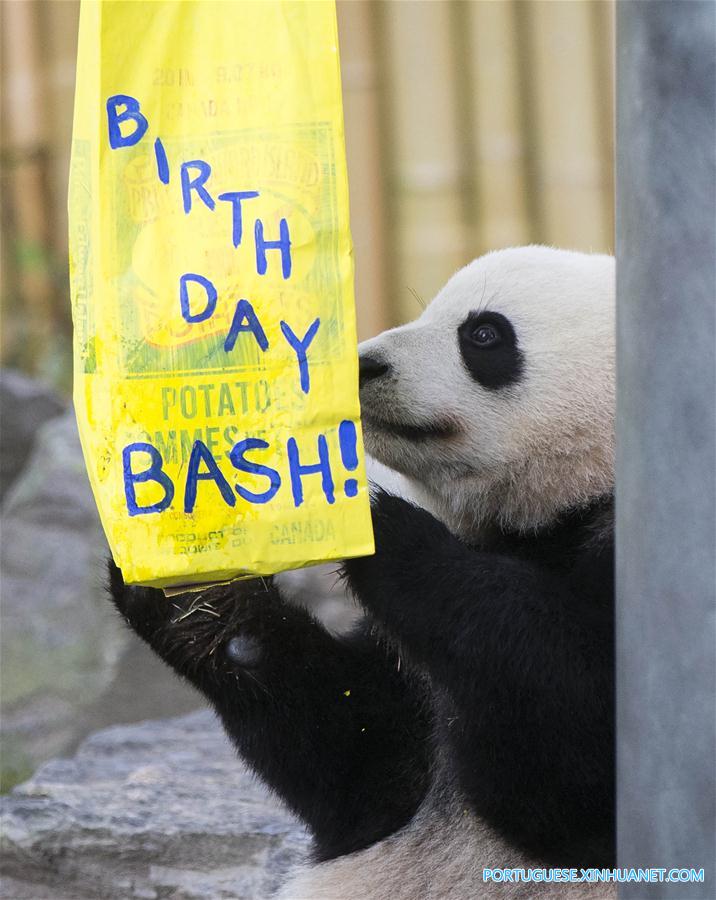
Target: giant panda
{"x":467,"y":722}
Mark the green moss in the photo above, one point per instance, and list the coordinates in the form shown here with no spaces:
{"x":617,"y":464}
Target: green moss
{"x":15,"y":765}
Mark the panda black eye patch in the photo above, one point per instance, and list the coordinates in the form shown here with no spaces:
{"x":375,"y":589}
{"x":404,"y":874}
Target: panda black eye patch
{"x":488,"y":345}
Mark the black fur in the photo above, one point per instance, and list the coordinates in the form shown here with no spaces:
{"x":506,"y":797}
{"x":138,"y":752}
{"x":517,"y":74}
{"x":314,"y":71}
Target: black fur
{"x":330,"y":724}
{"x":520,"y":636}
{"x":515,"y":638}
{"x":497,"y":365}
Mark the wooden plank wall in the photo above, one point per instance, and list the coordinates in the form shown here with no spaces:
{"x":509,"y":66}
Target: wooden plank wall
{"x":469,"y":126}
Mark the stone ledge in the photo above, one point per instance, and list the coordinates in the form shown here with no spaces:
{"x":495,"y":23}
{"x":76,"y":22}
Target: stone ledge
{"x":154,"y":810}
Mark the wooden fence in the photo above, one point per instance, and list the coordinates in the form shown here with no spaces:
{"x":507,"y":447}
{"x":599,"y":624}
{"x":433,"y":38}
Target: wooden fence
{"x":469,"y":126}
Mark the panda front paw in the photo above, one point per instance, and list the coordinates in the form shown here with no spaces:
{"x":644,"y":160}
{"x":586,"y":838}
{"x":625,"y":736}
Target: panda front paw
{"x":199,"y":621}
{"x":407,"y":541}
{"x":217,"y":633}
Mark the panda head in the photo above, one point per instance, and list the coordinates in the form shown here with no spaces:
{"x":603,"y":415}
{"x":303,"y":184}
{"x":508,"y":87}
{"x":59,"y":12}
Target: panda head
{"x":498,"y":402}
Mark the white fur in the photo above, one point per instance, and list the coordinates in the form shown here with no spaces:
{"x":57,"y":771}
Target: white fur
{"x":437,"y":857}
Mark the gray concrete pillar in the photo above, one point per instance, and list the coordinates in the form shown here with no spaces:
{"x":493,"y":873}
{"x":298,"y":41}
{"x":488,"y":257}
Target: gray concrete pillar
{"x":666,"y":427}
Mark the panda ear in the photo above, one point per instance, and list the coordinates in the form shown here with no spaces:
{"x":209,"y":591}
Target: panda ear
{"x":493,"y":363}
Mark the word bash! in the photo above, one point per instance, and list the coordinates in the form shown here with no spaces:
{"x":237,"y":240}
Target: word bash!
{"x":203,"y":467}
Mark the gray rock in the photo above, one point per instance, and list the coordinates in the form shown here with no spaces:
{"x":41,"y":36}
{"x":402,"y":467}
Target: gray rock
{"x":154,"y":810}
{"x":25,"y":404}
{"x":59,"y":644}
{"x":62,"y":647}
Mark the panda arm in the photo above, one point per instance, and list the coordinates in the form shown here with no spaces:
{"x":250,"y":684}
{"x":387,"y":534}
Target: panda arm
{"x":330,"y":724}
{"x":427,"y":587}
{"x":527,"y":660}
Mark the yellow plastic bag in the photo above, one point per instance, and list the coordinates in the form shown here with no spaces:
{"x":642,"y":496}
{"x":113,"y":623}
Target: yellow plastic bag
{"x":212,"y":287}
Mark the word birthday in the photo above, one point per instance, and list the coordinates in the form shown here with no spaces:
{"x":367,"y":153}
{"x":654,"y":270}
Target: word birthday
{"x":197,"y":299}
{"x":127,"y":125}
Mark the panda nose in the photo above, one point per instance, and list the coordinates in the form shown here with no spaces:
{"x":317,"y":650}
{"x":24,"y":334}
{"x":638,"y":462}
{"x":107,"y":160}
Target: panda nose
{"x":370,"y":368}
